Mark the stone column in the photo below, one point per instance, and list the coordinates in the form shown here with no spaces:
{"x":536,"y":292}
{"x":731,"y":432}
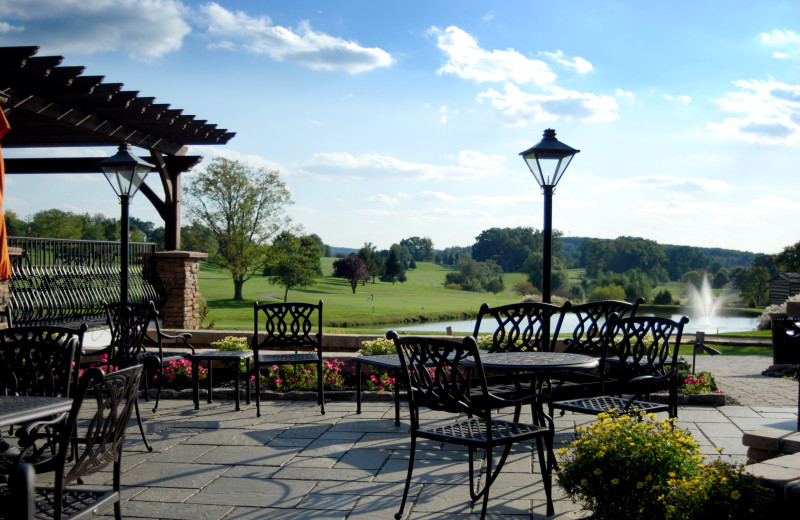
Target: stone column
{"x":179,"y":272}
{"x":5,"y":287}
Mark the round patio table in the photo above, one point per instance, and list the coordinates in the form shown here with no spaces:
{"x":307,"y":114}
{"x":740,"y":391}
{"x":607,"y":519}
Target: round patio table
{"x":534,"y":361}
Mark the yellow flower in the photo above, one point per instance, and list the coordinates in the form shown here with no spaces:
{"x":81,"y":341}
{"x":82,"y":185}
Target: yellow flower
{"x":736,"y":495}
{"x":648,"y":478}
{"x":639,"y":485}
{"x":614,"y":481}
{"x":598,"y":471}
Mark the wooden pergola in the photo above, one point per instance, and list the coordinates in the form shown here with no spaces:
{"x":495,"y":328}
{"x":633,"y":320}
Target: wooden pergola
{"x":48,"y":105}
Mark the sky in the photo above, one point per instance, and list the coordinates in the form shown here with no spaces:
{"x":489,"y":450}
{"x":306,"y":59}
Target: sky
{"x":389,"y":120}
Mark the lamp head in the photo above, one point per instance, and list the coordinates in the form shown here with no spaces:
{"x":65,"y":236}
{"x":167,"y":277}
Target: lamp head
{"x":548,"y":159}
{"x":124,"y":171}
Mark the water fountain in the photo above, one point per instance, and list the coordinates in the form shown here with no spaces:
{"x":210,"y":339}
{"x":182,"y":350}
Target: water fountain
{"x":704,"y":307}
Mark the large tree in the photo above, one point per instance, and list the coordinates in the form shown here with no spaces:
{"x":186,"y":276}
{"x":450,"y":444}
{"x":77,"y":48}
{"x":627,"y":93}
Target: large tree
{"x":788,"y":260}
{"x":243,"y":207}
{"x":421,"y":248}
{"x":375,"y":264}
{"x":293,"y":261}
{"x":394,"y":265}
{"x":351,"y":268}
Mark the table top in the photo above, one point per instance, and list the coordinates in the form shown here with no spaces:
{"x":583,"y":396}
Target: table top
{"x":382,"y":360}
{"x":224,"y":354}
{"x":16,"y":409}
{"x":533,"y":361}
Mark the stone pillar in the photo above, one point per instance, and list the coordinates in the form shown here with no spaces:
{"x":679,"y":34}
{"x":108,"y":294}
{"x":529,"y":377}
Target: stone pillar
{"x":5,"y":287}
{"x":179,"y":272}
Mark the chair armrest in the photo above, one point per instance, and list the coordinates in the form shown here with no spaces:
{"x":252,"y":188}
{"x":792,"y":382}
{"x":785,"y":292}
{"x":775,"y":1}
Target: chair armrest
{"x":160,"y":336}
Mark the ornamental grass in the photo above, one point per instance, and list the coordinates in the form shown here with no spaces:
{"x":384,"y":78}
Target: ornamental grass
{"x":635,"y":467}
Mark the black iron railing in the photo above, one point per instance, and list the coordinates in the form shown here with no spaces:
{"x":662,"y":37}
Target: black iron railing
{"x":61,"y":281}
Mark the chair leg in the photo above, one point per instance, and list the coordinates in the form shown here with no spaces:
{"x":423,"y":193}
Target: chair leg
{"x":320,"y":387}
{"x":358,"y":387}
{"x":160,"y":372}
{"x":546,"y":462}
{"x":399,"y":514}
{"x":141,"y":427}
{"x":485,"y":490}
{"x":258,"y":391}
{"x":397,"y":401}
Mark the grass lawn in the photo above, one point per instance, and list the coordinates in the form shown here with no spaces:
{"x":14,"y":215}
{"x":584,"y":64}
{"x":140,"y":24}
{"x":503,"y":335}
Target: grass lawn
{"x":421,"y":298}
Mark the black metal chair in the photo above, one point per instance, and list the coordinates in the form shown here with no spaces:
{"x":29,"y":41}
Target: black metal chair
{"x":38,"y":361}
{"x":100,"y":413}
{"x":645,"y":352}
{"x":21,"y":493}
{"x":587,"y":338}
{"x":154,"y":362}
{"x":525,"y":326}
{"x":287,"y":325}
{"x":128,"y":326}
{"x":520,"y":327}
{"x":436,"y":380}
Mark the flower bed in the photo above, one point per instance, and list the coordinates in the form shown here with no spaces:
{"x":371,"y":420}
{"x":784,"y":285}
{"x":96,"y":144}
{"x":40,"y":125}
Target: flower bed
{"x":625,"y":467}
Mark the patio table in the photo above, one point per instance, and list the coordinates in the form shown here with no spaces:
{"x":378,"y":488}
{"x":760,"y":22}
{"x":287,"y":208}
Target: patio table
{"x":389,"y":362}
{"x":21,"y":409}
{"x":219,"y":355}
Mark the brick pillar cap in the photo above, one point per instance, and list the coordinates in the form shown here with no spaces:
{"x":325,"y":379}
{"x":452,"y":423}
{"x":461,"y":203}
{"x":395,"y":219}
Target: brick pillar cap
{"x":181,"y":254}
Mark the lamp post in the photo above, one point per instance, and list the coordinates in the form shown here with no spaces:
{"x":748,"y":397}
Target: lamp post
{"x":125,"y":172}
{"x":548,"y":160}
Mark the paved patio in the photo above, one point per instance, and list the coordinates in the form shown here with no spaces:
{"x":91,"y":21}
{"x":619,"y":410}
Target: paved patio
{"x":293,"y":463}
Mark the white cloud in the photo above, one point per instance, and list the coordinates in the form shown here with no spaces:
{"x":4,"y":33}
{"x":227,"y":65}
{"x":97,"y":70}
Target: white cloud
{"x":768,"y":112}
{"x":146,"y":29}
{"x":304,"y":46}
{"x":467,"y":164}
{"x":778,"y":38}
{"x":683,"y":99}
{"x":518,"y":108}
{"x":628,"y":96}
{"x":579,"y":64}
{"x":468,"y":61}
{"x":678,"y":186}
{"x":488,"y":17}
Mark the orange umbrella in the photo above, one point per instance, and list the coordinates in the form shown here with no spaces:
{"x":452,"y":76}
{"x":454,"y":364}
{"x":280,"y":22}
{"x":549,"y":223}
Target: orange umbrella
{"x":5,"y":261}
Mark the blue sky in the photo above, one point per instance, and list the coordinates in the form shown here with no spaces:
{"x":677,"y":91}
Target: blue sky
{"x":389,"y":120}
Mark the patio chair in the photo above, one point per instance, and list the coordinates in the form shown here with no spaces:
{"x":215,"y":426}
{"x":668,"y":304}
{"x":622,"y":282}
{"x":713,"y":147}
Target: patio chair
{"x":287,"y":325}
{"x":525,"y":326}
{"x":128,"y":326}
{"x":587,"y":338}
{"x":645,"y":352}
{"x":38,"y":361}
{"x":154,"y":362}
{"x":436,"y":380}
{"x":520,"y":327}
{"x":100,"y":413}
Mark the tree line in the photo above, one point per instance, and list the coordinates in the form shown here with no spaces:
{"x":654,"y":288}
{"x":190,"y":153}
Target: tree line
{"x":236,"y":214}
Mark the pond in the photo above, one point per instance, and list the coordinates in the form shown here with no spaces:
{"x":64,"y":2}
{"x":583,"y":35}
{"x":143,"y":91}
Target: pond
{"x":714,"y":325}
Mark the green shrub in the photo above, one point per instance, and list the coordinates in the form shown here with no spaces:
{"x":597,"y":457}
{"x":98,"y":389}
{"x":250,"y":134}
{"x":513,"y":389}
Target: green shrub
{"x":233,"y":343}
{"x":663,"y":298}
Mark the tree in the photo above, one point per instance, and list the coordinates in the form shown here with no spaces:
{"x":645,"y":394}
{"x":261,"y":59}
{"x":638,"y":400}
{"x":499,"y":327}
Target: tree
{"x":755,"y":286}
{"x":324,"y":249}
{"x":375,"y":264}
{"x":394,"y":265}
{"x":510,"y":247}
{"x":14,"y":225}
{"x":243,"y":207}
{"x":352,"y":268}
{"x":475,"y":276}
{"x":293,"y":261}
{"x":534,"y":268}
{"x":54,"y":223}
{"x":788,"y":260}
{"x":421,"y":248}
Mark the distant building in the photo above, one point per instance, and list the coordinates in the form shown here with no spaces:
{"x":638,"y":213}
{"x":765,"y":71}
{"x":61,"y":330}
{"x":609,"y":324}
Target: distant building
{"x":783,"y":286}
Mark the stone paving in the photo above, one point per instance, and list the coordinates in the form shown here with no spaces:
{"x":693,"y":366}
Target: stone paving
{"x":294,"y":463}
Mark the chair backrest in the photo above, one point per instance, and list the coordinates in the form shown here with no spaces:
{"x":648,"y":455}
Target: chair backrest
{"x":645,"y":345}
{"x":592,"y":322}
{"x":39,"y":360}
{"x":128,"y":325}
{"x":526,"y":326}
{"x":433,"y":375}
{"x":291,"y":324}
{"x":100,"y":413}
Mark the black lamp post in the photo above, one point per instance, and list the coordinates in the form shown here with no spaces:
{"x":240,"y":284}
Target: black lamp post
{"x":125,"y":172}
{"x":548,"y":160}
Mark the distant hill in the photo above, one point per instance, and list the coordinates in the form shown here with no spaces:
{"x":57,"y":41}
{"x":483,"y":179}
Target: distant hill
{"x":344,"y":250}
{"x":730,"y":258}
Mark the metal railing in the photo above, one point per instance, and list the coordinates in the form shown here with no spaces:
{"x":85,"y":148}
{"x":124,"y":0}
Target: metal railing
{"x":61,"y":281}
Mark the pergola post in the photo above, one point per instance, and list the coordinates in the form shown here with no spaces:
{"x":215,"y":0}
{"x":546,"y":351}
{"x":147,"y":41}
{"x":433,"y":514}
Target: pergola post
{"x":179,"y":272}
